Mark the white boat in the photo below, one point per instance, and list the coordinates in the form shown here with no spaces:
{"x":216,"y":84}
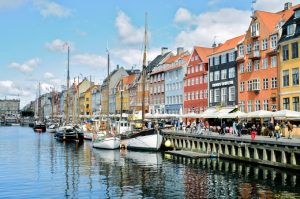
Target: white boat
{"x":149,"y":139}
{"x":52,"y":128}
{"x":103,"y":141}
{"x":122,"y":126}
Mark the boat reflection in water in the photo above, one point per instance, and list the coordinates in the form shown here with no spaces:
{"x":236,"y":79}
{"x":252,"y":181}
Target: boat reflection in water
{"x":218,"y":178}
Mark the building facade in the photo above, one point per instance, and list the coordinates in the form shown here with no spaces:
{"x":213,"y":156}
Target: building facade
{"x":258,"y":62}
{"x":9,"y":106}
{"x":290,"y":63}
{"x":174,"y":75}
{"x":195,"y":81}
{"x":223,"y":74}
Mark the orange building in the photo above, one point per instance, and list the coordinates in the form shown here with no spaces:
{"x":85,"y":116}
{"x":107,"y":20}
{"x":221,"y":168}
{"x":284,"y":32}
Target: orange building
{"x":258,"y":61}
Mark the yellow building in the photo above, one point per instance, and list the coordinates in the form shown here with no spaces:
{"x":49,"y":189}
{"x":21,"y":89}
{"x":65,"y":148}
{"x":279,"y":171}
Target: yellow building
{"x":290,"y":64}
{"x":86,"y":101}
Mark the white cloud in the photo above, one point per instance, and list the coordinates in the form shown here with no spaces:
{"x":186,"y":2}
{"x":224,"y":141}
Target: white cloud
{"x":272,"y":6}
{"x":50,"y":8}
{"x":183,"y":15}
{"x":93,"y":60}
{"x":223,"y":24}
{"x":58,"y":45}
{"x":4,"y":4}
{"x":48,"y":75}
{"x":127,"y":32}
{"x":27,"y":66}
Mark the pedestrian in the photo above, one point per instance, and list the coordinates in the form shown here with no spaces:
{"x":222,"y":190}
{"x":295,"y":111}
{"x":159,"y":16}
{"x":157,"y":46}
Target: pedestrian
{"x":271,"y":129}
{"x":290,"y":130}
{"x":277,"y":131}
{"x":234,"y":126}
{"x":239,"y":129}
{"x":253,"y":132}
{"x":223,"y":128}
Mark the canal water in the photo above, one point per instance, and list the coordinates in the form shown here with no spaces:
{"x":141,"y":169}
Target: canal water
{"x":35,"y":165}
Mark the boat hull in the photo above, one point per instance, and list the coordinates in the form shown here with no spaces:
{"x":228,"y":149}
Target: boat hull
{"x":51,"y":130}
{"x":107,"y":143}
{"x":148,"y":140}
{"x":40,"y":128}
{"x":69,"y":136}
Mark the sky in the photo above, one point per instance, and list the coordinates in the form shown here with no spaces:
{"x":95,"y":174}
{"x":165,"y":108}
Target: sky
{"x":34,"y":34}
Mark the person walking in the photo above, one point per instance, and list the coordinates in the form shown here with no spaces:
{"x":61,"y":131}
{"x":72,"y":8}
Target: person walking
{"x":277,"y":131}
{"x":224,"y":128}
{"x":234,"y":126}
{"x":290,"y":130}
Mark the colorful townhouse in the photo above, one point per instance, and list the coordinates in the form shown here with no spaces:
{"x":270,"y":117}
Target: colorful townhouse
{"x":122,"y":95}
{"x":174,"y":75}
{"x":195,"y":81}
{"x":157,"y":82}
{"x":290,"y":63}
{"x":223,"y":74}
{"x":258,"y":61}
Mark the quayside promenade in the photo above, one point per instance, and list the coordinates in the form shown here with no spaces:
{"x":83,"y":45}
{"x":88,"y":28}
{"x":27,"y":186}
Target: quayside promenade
{"x":283,"y":152}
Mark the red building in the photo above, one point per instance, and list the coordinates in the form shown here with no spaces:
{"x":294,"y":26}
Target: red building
{"x":195,"y":81}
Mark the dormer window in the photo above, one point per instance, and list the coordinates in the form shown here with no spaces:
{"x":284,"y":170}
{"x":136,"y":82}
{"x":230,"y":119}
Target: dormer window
{"x":291,"y":29}
{"x":254,"y":30}
{"x":297,"y":13}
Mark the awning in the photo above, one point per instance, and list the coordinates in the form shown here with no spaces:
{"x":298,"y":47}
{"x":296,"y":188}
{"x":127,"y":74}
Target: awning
{"x":286,"y":114}
{"x":209,"y":113}
{"x":226,"y":112}
{"x":259,"y":114}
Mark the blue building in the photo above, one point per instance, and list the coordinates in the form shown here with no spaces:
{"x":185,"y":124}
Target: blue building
{"x":175,"y":68}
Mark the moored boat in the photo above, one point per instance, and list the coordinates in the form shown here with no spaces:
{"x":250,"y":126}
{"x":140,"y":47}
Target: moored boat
{"x":104,"y":141}
{"x":39,"y":127}
{"x":69,"y":133}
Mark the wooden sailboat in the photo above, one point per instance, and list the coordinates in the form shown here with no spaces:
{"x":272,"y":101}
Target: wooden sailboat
{"x":39,"y":125}
{"x":69,"y":132}
{"x":106,"y":139}
{"x":145,"y":139}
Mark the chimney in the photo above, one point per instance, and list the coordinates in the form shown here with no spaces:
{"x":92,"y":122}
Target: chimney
{"x":214,"y":45}
{"x":180,"y":50}
{"x":220,"y":44}
{"x":287,"y":5}
{"x":164,"y":50}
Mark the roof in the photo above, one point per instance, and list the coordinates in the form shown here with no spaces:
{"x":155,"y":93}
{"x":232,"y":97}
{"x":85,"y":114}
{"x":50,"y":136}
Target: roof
{"x":229,"y":44}
{"x":183,"y":56}
{"x":129,"y":79}
{"x":156,"y":61}
{"x":203,"y":52}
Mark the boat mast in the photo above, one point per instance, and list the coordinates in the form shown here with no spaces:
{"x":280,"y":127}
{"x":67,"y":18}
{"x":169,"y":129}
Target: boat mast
{"x":39,"y":103}
{"x":144,"y":69}
{"x":77,"y":109}
{"x":68,"y":82}
{"x":108,"y":80}
{"x":52,"y":104}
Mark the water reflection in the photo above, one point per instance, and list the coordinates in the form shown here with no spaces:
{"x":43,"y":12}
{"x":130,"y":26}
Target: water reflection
{"x":224,"y":178}
{"x":37,"y":166}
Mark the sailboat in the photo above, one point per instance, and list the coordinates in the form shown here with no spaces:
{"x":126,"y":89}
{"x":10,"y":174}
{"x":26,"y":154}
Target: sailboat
{"x":39,"y":126}
{"x":69,"y":132}
{"x":106,"y":139}
{"x":145,"y":139}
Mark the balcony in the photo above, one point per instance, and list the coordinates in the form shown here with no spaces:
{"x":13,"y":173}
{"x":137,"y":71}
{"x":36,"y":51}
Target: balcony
{"x":254,"y":55}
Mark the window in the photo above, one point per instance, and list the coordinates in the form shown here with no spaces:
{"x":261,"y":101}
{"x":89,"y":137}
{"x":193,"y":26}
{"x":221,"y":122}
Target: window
{"x":295,"y":103}
{"x":285,"y":76}
{"x":223,"y":58}
{"x":231,"y":72}
{"x":231,"y":56}
{"x":211,"y":60}
{"x":265,"y":63}
{"x":217,"y":95}
{"x":192,"y":71}
{"x":250,"y":85}
{"x":217,"y":60}
{"x":242,"y":106}
{"x":87,"y":99}
{"x":201,"y":80}
{"x":193,"y":94}
{"x":241,"y":50}
{"x":205,"y":94}
{"x":285,"y":52}
{"x":158,"y":77}
{"x":256,"y":46}
{"x":273,"y":61}
{"x":265,"y":83}
{"x":224,"y":74}
{"x":211,"y":76}
{"x":257,"y":105}
{"x":217,"y":75}
{"x":224,"y":95}
{"x":255,"y":84}
{"x":256,"y":65}
{"x":249,"y":66}
{"x":162,"y":76}
{"x":273,"y":41}
{"x":295,"y":76}
{"x":264,"y":44}
{"x":242,"y":86}
{"x":295,"y":50}
{"x":274,"y":82}
{"x":297,"y":13}
{"x":205,"y":78}
{"x":286,"y":103}
{"x":249,"y":105}
{"x":197,"y":80}
{"x":201,"y":94}
{"x":291,"y":29}
{"x":232,"y":93}
{"x":192,"y":81}
{"x":249,"y":46}
{"x":266,"y":105}
{"x":242,"y":69}
{"x":197,"y":95}
{"x":196,"y":69}
{"x":211,"y":96}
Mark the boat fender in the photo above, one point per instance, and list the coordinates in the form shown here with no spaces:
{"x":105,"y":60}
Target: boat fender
{"x":168,"y":143}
